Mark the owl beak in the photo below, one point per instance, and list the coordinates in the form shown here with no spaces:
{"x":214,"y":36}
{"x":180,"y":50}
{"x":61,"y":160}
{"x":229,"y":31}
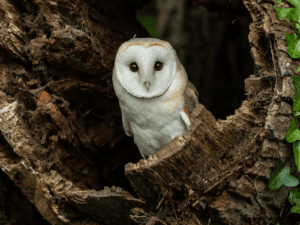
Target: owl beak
{"x":147,"y":84}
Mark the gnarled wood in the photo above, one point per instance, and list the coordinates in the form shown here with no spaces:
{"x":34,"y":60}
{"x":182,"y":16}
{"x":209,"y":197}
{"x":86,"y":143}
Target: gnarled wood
{"x":57,"y":112}
{"x":196,"y":152}
{"x":222,"y":167}
{"x":62,"y":140}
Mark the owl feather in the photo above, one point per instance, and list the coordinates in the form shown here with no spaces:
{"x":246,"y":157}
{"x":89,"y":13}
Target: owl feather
{"x":155,"y":96}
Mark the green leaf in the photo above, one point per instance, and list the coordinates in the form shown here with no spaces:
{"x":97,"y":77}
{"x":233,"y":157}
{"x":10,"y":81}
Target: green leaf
{"x":293,"y":45}
{"x":295,"y":15}
{"x":294,"y":197}
{"x":150,"y":23}
{"x":281,"y":176}
{"x":296,"y":113}
{"x":293,"y":134}
{"x":282,"y":13}
{"x":296,"y":102}
{"x":295,"y":209}
{"x":296,"y":82}
{"x":296,"y":148}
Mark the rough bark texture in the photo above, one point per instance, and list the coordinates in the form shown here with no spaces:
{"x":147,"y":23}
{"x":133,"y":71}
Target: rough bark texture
{"x":62,"y":140}
{"x":57,"y":109}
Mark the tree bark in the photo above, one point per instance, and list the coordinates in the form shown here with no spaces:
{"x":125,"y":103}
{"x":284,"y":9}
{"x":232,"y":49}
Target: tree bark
{"x":58,"y":110}
{"x":62,"y":141}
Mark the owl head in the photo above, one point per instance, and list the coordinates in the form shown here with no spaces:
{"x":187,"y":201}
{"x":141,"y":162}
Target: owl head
{"x":145,"y":67}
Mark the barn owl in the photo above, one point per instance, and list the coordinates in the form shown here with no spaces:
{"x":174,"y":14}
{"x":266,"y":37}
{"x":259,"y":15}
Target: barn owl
{"x":155,"y":95}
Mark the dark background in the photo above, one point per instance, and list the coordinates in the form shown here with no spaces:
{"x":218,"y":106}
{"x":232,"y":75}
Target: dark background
{"x":213,"y":49}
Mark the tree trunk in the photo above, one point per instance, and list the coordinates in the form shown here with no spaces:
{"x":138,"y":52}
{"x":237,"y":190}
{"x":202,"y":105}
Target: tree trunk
{"x":62,"y":141}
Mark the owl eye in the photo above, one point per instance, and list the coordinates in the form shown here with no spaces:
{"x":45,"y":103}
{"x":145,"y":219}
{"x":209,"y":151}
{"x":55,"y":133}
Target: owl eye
{"x":158,"y":66}
{"x":133,"y":67}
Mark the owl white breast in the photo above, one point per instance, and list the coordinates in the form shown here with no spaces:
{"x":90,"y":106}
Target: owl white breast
{"x":154,"y":93}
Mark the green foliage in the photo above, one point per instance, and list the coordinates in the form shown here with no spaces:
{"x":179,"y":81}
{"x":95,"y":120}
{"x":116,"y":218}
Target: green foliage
{"x":281,"y":175}
{"x":296,"y":149}
{"x":294,"y":133}
{"x":296,"y":104}
{"x":293,"y":45}
{"x":292,"y":40}
{"x":150,"y":23}
{"x":294,"y":199}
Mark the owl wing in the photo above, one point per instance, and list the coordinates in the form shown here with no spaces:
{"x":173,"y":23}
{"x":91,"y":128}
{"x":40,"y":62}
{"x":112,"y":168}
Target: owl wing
{"x":126,"y":124}
{"x":191,"y":102}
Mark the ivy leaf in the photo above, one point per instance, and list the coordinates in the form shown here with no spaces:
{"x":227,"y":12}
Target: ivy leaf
{"x":295,"y":209}
{"x":293,"y":134}
{"x":296,"y":82}
{"x":296,"y":103}
{"x":293,"y":45}
{"x":281,"y":176}
{"x":296,"y":149}
{"x":295,"y":15}
{"x":294,"y":197}
{"x":296,"y":113}
{"x":282,"y":12}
